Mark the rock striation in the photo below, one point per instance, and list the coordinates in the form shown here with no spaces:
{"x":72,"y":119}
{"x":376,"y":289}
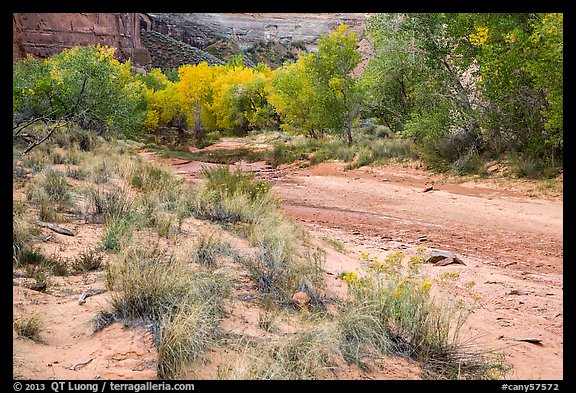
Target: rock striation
{"x":247,"y":29}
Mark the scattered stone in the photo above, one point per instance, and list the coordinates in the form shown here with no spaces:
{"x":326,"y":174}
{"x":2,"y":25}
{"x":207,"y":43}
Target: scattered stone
{"x":430,"y":188}
{"x":443,"y":258}
{"x":301,"y":299}
{"x":493,"y":168}
{"x":422,"y":238}
{"x":516,"y":292}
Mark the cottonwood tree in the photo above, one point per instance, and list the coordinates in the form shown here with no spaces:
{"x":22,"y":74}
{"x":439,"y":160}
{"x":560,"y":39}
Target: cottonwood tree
{"x":318,"y":93}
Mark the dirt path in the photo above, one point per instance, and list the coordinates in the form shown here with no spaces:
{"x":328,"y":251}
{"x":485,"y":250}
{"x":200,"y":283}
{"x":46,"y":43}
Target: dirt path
{"x":511,"y":244}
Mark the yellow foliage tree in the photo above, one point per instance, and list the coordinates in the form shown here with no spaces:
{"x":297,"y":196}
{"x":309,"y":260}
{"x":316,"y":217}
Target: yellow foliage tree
{"x":194,"y":92}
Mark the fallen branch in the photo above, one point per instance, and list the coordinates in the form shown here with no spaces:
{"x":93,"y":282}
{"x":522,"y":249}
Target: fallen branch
{"x":55,"y":228}
{"x":88,"y":293}
{"x":530,"y":340}
{"x":79,"y":365}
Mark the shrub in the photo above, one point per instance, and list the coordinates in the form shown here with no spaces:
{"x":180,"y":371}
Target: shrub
{"x":208,"y":247}
{"x":278,"y":268}
{"x":230,"y":197}
{"x":106,"y":206}
{"x":183,"y":337}
{"x":21,"y":239}
{"x":28,"y":325}
{"x":149,"y":177}
{"x":225,"y":182}
{"x":117,"y":234}
{"x":303,"y":356}
{"x":87,"y":260}
{"x":183,"y":305}
{"x":100,"y":171}
{"x":415,"y":326}
{"x":360,"y":333}
{"x":57,"y":188}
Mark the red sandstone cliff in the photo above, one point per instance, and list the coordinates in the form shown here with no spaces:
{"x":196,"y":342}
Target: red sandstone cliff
{"x":43,"y":34}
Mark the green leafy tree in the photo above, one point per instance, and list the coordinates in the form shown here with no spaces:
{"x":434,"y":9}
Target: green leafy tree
{"x":520,"y":66}
{"x":318,"y":93}
{"x":82,"y":84}
{"x":469,"y":84}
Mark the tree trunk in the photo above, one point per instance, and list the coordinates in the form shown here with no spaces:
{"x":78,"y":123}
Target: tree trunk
{"x":197,"y":125}
{"x":348,"y":133}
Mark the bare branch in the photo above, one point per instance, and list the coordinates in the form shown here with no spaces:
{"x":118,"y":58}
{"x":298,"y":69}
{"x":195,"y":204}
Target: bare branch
{"x":58,"y":125}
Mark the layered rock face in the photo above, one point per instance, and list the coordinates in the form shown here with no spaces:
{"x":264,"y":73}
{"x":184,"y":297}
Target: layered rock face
{"x":44,"y":34}
{"x":166,"y":52}
{"x":168,"y":40}
{"x":203,"y":29}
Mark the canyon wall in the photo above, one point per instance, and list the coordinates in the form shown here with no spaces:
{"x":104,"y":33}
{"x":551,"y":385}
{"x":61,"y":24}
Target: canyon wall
{"x":43,"y":34}
{"x":182,"y":37}
{"x":203,"y":29}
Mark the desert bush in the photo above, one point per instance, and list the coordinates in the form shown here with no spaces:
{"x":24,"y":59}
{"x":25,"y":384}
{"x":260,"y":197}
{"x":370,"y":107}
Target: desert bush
{"x":76,"y":173}
{"x":35,"y":161}
{"x":147,"y":282}
{"x":29,"y":325}
{"x":108,"y":205}
{"x":117,"y":234}
{"x":148,"y":177}
{"x":21,"y":240}
{"x":229,"y":197}
{"x":208,"y":247}
{"x":183,"y":337}
{"x":87,"y":260}
{"x":52,"y":184}
{"x":303,"y":356}
{"x":223,"y":181}
{"x":57,"y":265}
{"x":361,"y":333}
{"x":283,"y":153}
{"x":183,"y":305}
{"x":415,"y":325}
{"x":100,"y":171}
{"x":281,"y":265}
{"x":74,"y":138}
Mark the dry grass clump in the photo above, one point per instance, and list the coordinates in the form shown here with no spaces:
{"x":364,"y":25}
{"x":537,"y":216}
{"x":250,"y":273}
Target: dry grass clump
{"x":163,"y":200}
{"x":306,"y":355}
{"x":29,"y":325}
{"x":397,"y":304}
{"x":87,"y":260}
{"x":230,"y":197}
{"x":209,"y":246}
{"x":105,"y":205}
{"x":182,"y":304}
{"x":281,"y":264}
{"x":50,"y":192}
